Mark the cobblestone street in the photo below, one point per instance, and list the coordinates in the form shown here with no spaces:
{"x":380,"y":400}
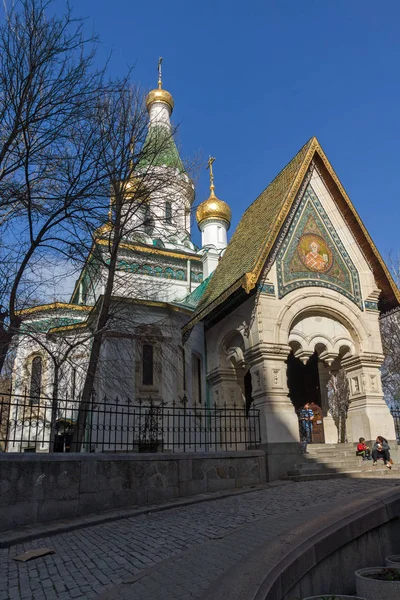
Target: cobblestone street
{"x":173,"y":554}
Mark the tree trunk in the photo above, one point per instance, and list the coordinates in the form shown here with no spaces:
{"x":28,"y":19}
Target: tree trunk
{"x":96,"y":344}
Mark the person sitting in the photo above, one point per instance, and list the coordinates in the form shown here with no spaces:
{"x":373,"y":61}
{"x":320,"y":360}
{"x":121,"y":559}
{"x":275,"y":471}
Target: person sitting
{"x":363,"y":450}
{"x":381,"y":450}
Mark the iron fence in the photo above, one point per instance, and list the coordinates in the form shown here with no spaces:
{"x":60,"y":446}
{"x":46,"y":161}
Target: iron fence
{"x":33,"y":424}
{"x":396,"y":417}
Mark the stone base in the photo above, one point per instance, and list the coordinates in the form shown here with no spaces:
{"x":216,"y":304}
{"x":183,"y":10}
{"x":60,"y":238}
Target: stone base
{"x":330,"y":430}
{"x":280,"y":458}
{"x":369,"y":421}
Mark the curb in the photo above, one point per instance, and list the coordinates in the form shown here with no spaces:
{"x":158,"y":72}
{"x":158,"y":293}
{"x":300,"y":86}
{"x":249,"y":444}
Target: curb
{"x":31,"y":532}
{"x":270,"y":571}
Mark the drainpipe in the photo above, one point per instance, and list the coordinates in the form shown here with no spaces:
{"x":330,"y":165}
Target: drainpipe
{"x":189,"y":283}
{"x":207,"y":390}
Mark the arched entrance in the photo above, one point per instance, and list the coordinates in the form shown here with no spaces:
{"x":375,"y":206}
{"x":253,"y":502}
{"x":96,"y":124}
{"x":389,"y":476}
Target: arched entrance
{"x":318,"y":344}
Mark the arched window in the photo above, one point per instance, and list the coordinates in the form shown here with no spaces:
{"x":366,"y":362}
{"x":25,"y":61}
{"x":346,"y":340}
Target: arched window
{"x":168,"y":212}
{"x":36,"y":380}
{"x":148,"y":364}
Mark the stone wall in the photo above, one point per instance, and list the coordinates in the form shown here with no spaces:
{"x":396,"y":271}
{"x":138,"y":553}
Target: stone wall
{"x":42,"y":487}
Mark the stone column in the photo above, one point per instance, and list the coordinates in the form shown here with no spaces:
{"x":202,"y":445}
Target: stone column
{"x":330,"y":429}
{"x":278,"y":419}
{"x":368,"y":415}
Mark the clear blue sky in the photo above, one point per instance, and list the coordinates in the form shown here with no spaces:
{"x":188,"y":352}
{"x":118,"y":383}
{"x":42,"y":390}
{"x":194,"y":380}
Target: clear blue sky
{"x":253,"y":81}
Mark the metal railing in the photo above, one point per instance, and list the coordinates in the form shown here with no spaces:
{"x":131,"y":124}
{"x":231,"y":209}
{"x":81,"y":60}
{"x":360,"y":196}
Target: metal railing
{"x":32,"y":424}
{"x":396,"y":418}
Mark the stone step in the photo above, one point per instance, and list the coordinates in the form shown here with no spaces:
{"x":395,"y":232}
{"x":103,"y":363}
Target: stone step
{"x":333,"y":460}
{"x":331,"y":465}
{"x":328,"y":451}
{"x":346,"y":469}
{"x":358,"y":474}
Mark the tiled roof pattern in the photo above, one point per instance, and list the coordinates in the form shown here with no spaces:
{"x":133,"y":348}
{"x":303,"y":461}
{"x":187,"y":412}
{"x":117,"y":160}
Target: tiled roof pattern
{"x":192,"y":300}
{"x":253,"y":231}
{"x":159,"y":150}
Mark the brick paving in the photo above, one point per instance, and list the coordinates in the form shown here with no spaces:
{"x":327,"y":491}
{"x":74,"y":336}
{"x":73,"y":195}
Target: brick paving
{"x":175,"y":554}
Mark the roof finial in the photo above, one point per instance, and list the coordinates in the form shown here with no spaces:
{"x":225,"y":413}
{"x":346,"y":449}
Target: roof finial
{"x":209,"y":166}
{"x":159,"y":73}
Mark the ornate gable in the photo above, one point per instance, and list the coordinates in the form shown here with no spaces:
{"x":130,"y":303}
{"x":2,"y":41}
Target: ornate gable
{"x":312,"y":254}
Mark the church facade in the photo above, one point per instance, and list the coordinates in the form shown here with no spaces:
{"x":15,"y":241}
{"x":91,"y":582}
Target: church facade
{"x":261,"y":321}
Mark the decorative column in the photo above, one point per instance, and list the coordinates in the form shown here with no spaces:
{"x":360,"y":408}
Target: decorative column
{"x":330,"y":429}
{"x":278,"y":419}
{"x":368,"y":415}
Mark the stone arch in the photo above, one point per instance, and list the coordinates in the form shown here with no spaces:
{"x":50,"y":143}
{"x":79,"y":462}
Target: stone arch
{"x":313,"y":331}
{"x":339,"y":309}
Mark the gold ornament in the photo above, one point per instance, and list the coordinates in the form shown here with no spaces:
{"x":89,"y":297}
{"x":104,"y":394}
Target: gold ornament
{"x":213,"y":207}
{"x":159,"y":95}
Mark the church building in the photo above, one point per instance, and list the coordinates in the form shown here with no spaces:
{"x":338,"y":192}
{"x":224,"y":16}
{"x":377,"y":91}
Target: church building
{"x":260,"y":321}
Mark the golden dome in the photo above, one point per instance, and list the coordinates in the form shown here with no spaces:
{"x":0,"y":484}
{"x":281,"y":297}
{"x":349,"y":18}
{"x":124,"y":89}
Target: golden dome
{"x":160,"y":95}
{"x":213,"y":208}
{"x":104,"y":229}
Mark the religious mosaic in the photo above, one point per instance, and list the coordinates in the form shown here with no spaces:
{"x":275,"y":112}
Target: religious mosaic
{"x":312,"y":254}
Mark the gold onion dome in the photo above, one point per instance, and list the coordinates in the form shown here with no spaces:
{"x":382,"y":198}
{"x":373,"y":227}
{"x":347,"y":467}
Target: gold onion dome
{"x":159,"y":95}
{"x":213,"y":207}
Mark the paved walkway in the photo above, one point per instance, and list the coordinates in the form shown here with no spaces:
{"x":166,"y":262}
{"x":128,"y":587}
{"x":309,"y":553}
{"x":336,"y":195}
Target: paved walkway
{"x":171,"y":555}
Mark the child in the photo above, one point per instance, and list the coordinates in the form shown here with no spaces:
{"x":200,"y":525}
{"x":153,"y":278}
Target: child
{"x":363,"y":450}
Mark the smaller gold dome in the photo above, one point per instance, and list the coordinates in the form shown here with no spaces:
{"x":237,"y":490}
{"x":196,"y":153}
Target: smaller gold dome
{"x":160,"y":95}
{"x":104,"y":229}
{"x":213,"y":208}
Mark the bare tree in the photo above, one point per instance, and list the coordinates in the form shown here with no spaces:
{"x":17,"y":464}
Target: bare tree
{"x":48,"y":171}
{"x":339,"y":400}
{"x":390,"y":332}
{"x":131,"y":158}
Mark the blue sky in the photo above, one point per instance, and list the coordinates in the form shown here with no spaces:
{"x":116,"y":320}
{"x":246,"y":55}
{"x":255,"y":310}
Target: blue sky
{"x":253,"y":81}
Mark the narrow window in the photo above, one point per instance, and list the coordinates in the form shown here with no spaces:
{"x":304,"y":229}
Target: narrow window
{"x":148,"y":364}
{"x":219,"y":233}
{"x":196,"y":379}
{"x":36,"y":380}
{"x":168,"y":212}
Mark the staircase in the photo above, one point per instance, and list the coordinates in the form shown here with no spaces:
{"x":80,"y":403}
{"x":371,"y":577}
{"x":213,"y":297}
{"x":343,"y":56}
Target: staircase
{"x":326,"y":461}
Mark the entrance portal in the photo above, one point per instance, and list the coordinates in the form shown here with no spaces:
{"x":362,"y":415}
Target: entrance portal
{"x":304,"y":386}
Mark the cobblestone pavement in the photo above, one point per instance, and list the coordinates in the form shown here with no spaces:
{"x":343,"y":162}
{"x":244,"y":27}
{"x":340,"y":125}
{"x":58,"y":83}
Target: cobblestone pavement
{"x":174,"y":554}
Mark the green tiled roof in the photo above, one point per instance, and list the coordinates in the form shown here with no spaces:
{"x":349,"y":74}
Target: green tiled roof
{"x":159,"y":150}
{"x":193,"y":299}
{"x":252,"y":234}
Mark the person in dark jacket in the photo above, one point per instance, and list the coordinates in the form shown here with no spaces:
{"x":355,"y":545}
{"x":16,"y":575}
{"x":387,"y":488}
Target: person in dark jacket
{"x":381,"y":450}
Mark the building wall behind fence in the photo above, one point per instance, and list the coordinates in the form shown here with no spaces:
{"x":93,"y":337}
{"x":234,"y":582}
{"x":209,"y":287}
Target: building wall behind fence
{"x":35,"y":488}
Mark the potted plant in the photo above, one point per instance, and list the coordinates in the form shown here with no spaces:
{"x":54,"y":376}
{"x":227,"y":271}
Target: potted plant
{"x":393,"y":561}
{"x":378,"y":583}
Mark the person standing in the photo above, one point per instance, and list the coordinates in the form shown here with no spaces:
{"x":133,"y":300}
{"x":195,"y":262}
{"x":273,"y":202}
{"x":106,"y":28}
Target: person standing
{"x":381,"y":450}
{"x":306,"y":416}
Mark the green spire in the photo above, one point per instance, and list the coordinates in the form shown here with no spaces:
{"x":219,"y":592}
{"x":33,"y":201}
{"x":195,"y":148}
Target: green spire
{"x":159,"y":149}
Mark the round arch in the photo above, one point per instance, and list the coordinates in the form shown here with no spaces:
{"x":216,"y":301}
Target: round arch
{"x":300,"y":305}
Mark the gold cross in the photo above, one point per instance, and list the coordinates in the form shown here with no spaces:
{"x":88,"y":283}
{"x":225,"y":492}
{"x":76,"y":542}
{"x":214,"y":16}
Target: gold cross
{"x":209,"y":166}
{"x":159,"y":73}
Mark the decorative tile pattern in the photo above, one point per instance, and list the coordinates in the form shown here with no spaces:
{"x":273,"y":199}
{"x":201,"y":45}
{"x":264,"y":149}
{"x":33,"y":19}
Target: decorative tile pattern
{"x":43,"y":325}
{"x":158,"y":271}
{"x":266,"y":288}
{"x":312,"y":254}
{"x":370,"y":305}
